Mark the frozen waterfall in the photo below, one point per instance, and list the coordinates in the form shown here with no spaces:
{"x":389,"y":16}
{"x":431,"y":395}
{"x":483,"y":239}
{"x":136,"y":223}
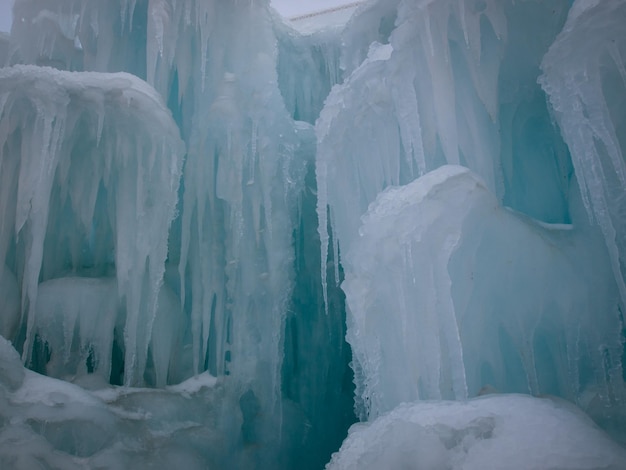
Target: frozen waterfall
{"x":226,"y":237}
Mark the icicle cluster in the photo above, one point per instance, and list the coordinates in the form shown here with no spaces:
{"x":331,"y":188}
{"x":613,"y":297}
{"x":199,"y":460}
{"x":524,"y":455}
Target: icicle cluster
{"x":90,"y":172}
{"x":585,"y":78}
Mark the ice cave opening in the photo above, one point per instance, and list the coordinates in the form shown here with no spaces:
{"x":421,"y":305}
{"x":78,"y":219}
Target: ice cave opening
{"x":378,"y":234}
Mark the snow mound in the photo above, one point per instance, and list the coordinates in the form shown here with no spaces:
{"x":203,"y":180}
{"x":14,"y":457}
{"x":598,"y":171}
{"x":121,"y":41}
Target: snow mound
{"x":516,"y":432}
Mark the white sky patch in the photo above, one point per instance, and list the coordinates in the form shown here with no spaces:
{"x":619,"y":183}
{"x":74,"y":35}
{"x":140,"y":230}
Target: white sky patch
{"x":6,"y":16}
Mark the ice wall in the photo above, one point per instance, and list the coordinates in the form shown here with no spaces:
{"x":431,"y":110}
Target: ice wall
{"x":89,"y":189}
{"x":226,"y":284}
{"x":455,"y":82}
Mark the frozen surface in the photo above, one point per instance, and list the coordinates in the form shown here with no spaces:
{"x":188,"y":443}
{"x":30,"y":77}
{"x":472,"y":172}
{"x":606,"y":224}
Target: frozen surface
{"x":495,"y":431}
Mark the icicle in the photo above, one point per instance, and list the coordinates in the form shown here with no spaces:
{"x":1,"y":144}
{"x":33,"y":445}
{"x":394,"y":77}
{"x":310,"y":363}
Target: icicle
{"x":322,"y":212}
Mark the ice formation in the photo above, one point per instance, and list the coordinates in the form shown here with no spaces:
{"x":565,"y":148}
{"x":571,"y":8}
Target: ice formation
{"x":200,"y":203}
{"x":89,"y":187}
{"x":437,"y":308}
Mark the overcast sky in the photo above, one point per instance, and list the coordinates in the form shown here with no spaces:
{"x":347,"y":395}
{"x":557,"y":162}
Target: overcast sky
{"x":5,"y":14}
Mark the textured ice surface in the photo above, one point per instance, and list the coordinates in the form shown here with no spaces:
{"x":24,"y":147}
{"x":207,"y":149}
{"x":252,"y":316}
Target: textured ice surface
{"x":11,"y":369}
{"x":495,"y":431}
{"x":76,"y":320}
{"x":431,"y":276}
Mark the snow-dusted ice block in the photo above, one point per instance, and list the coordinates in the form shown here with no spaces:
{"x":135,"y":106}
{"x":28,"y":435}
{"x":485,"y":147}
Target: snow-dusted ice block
{"x":447,"y":292}
{"x":516,"y":432}
{"x":90,"y":168}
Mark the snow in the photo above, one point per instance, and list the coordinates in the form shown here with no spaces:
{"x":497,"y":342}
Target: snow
{"x":495,"y":431}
